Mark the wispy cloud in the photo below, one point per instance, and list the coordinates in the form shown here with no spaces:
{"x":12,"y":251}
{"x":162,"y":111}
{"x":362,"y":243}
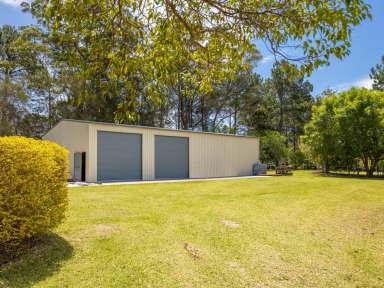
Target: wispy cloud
{"x":267,"y":59}
{"x":14,"y":3}
{"x":364,"y":82}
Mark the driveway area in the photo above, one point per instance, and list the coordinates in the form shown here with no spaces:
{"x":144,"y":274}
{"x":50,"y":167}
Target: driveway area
{"x":80,"y":184}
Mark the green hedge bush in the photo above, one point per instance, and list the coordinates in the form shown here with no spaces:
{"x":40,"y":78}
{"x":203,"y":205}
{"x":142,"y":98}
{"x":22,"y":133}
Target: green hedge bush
{"x":33,"y":188}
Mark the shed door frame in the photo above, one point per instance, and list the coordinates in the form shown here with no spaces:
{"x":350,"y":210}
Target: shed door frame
{"x":141,"y":155}
{"x":188,"y":156}
{"x":82,"y":166}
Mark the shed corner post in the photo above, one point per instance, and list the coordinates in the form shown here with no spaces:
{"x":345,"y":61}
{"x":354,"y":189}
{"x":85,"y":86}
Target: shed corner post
{"x":91,"y":162}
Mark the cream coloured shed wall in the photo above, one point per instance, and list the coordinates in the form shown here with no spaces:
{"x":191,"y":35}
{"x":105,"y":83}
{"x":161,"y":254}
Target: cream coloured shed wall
{"x":210,"y":155}
{"x":74,"y":137}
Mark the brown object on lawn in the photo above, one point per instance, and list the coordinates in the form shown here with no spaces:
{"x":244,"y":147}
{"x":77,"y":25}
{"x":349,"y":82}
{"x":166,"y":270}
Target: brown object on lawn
{"x":193,"y":251}
{"x":283,"y":170}
{"x":230,"y":224}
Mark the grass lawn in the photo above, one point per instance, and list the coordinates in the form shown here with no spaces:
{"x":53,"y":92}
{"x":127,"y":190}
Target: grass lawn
{"x":300,"y":231}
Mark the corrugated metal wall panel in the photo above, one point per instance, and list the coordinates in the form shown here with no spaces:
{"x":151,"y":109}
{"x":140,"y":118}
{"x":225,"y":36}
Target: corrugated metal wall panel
{"x":74,"y":136}
{"x":211,"y":155}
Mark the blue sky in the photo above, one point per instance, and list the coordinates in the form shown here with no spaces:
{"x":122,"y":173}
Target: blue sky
{"x":367,"y":49}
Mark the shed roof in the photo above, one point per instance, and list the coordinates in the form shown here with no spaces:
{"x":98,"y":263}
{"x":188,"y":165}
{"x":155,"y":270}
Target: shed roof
{"x":149,"y":127}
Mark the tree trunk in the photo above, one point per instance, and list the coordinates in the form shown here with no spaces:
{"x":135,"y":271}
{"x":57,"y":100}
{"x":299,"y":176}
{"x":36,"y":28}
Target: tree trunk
{"x":204,"y":118}
{"x":235,"y":122}
{"x":366,"y":166}
{"x":49,"y":108}
{"x":281,"y":114}
{"x":183,"y":123}
{"x":371,"y":169}
{"x":161,"y":120}
{"x":326,"y":166}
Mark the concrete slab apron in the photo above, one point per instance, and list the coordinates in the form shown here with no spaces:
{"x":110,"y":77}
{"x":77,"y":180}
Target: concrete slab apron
{"x":80,"y":184}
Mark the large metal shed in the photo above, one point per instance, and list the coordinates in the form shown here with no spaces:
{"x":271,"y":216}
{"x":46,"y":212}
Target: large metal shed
{"x":114,"y":152}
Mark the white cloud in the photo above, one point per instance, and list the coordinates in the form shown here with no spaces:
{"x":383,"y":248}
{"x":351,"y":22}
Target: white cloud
{"x":364,"y":82}
{"x":15,"y":3}
{"x":267,"y":59}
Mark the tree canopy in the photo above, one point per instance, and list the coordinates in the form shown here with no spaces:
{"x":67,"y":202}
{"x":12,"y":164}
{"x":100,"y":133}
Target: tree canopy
{"x":114,"y":45}
{"x":348,"y":127}
{"x":377,"y":75}
{"x":281,"y":103}
{"x":273,"y":148}
{"x":20,"y":72}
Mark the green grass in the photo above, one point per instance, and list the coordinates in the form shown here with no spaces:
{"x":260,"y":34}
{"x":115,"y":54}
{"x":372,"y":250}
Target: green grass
{"x":297,"y":231}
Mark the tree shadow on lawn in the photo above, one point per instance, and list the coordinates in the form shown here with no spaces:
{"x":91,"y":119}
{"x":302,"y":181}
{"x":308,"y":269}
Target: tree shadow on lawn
{"x":353,"y":176}
{"x":35,"y":261}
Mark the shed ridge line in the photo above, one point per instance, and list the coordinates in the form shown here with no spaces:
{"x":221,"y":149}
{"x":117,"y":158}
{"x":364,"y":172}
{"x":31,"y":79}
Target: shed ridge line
{"x":151,"y":127}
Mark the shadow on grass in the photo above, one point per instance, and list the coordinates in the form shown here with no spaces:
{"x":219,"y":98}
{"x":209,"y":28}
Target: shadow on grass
{"x":345,"y":175}
{"x":35,"y":261}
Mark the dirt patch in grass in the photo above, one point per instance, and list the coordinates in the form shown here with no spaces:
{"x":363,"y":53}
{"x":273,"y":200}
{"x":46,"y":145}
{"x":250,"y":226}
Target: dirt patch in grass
{"x":230,"y":224}
{"x":359,"y":223}
{"x":105,"y":229}
{"x":237,"y":267}
{"x":97,"y":231}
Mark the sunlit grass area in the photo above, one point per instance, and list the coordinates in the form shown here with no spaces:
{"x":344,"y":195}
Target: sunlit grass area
{"x":304,"y":230}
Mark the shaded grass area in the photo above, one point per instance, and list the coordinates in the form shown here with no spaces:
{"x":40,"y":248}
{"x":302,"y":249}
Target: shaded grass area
{"x":376,"y":175}
{"x":300,"y":231}
{"x":34,"y":261}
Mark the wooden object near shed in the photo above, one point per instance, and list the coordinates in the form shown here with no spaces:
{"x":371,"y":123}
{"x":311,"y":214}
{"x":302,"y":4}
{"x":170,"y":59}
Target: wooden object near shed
{"x":283,"y":170}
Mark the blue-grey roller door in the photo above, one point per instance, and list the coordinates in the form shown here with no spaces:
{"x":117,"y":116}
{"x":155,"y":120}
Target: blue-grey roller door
{"x":171,"y":157}
{"x":118,"y":156}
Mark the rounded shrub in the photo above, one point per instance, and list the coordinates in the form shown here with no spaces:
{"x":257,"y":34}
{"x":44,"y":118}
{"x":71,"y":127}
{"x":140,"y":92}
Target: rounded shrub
{"x":33,"y":188}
